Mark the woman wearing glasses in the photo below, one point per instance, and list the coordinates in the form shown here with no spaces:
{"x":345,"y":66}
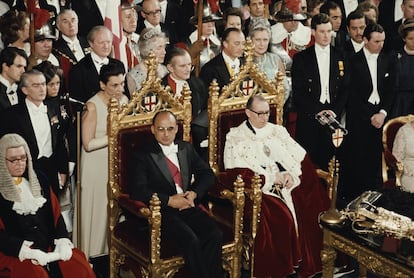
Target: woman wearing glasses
{"x":94,"y":159}
{"x":150,"y":40}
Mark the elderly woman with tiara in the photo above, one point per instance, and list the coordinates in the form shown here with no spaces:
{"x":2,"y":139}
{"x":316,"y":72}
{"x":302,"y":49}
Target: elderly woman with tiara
{"x":33,"y":237}
{"x":404,"y":72}
{"x":268,"y":62}
{"x":150,"y":40}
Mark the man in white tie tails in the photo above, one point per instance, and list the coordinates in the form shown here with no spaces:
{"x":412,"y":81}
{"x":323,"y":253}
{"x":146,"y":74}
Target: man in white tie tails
{"x":13,"y":62}
{"x":40,"y":127}
{"x":318,"y":87}
{"x":84,"y":76}
{"x":370,"y":98}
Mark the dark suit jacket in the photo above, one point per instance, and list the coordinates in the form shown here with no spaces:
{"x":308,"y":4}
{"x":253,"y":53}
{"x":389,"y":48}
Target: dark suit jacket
{"x":61,"y":48}
{"x":340,"y":40}
{"x":88,"y":14}
{"x":199,"y":94}
{"x":386,"y":10}
{"x":361,"y":164}
{"x":386,"y":18}
{"x":360,"y":87}
{"x":152,"y":174}
{"x":4,"y":100}
{"x":306,"y":91}
{"x":393,"y":40}
{"x":306,"y":84}
{"x":341,"y":5}
{"x":16,"y":119}
{"x":349,"y":47}
{"x":84,"y":79}
{"x":215,"y":69}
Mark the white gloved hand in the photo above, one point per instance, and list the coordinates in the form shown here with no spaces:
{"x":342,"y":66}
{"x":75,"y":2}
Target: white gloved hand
{"x":36,"y":255}
{"x":64,"y":247}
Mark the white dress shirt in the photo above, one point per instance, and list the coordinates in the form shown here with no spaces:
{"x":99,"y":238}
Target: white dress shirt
{"x":233,"y":64}
{"x":11,"y":90}
{"x":41,"y":128}
{"x":350,"y":6}
{"x":372,"y":60}
{"x":98,"y":61}
{"x":163,"y":5}
{"x":357,"y":46}
{"x":149,"y":25}
{"x":75,"y":47}
{"x":398,"y":14}
{"x":323,"y":59}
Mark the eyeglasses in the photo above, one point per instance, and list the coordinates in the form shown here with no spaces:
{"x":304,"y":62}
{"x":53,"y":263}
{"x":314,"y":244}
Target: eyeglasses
{"x":17,"y":159}
{"x":261,"y":114}
{"x":154,"y":13}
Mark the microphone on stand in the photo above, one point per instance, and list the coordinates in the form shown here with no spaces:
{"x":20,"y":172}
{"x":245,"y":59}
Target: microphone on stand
{"x":68,"y":98}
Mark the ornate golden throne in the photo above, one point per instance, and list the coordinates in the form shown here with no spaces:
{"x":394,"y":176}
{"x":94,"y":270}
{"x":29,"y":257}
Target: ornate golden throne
{"x":135,"y":239}
{"x":226,"y":109}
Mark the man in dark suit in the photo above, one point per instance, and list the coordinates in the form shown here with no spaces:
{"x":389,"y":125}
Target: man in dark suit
{"x":389,"y":13}
{"x":355,"y":23}
{"x":39,"y":125}
{"x":13,"y":62}
{"x":179,"y":65}
{"x":347,"y":7}
{"x":69,"y":45}
{"x":391,"y":20}
{"x":317,"y":87}
{"x":151,"y":18}
{"x":166,"y":167}
{"x":370,"y":99}
{"x":84,"y":76}
{"x":227,"y":63}
{"x":333,"y":10}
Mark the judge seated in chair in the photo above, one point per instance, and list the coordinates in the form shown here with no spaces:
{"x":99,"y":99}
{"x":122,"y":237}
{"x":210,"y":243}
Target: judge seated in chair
{"x":33,"y":237}
{"x":289,"y":239}
{"x":166,"y":167}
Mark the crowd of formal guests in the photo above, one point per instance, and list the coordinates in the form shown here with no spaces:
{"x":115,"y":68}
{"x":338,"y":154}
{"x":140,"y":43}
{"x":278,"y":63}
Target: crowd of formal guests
{"x":348,"y":60}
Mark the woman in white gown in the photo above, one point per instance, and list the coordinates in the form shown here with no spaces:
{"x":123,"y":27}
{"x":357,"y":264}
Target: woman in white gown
{"x":94,"y":159}
{"x":403,"y":150}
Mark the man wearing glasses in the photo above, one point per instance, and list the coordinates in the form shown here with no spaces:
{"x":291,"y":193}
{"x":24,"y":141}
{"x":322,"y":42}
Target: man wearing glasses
{"x":292,"y":195}
{"x":151,"y":18}
{"x":166,"y":166}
